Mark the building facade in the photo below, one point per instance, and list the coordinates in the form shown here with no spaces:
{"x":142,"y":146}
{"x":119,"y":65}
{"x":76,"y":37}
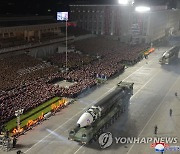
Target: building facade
{"x":40,"y":35}
{"x":123,"y":23}
{"x":28,"y":28}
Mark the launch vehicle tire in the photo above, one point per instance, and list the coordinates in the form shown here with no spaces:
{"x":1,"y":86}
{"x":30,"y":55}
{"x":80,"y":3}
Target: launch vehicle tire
{"x":100,"y":131}
{"x":91,"y":141}
{"x":95,"y":137}
{"x":116,"y":116}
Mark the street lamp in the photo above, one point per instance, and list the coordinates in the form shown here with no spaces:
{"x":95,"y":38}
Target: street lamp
{"x":123,"y":2}
{"x":126,"y":2}
{"x":17,"y":114}
{"x":142,"y":9}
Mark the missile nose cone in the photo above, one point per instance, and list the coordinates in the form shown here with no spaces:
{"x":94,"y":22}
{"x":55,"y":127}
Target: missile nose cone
{"x":85,"y":119}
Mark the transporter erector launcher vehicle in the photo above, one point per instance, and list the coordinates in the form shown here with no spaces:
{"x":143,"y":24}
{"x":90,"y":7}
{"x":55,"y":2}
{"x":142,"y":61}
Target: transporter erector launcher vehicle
{"x":169,"y":55}
{"x":98,"y":117}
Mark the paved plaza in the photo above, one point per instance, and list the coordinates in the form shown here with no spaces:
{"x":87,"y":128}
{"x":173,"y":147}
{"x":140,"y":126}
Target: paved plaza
{"x":154,"y":89}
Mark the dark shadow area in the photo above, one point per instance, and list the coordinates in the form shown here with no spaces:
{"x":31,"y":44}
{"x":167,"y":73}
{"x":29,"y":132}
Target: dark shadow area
{"x":173,"y":66}
{"x":21,"y":147}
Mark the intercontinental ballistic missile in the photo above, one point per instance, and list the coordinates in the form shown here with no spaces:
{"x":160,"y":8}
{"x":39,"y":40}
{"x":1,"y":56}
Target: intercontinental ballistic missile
{"x":92,"y":120}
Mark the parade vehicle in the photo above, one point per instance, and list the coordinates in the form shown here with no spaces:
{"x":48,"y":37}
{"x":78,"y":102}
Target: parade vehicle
{"x":101,"y":115}
{"x":169,"y":55}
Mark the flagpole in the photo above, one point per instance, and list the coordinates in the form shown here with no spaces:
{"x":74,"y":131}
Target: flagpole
{"x":66,"y":45}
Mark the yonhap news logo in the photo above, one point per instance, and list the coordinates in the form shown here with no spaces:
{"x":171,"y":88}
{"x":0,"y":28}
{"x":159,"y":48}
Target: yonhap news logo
{"x":105,"y":140}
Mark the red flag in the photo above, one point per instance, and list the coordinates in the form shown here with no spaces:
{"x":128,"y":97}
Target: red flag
{"x":71,"y":24}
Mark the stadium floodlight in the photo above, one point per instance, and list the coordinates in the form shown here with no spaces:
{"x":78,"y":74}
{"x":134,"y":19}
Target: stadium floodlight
{"x":142,"y":9}
{"x":123,"y":2}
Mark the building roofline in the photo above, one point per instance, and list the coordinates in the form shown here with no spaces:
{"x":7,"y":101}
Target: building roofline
{"x":98,"y":5}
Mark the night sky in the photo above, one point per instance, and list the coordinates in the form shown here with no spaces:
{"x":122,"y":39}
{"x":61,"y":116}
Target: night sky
{"x":50,"y":7}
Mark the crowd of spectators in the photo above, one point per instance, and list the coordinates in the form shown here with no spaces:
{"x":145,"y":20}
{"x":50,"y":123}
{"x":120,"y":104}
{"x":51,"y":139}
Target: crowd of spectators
{"x":74,"y":59}
{"x":26,"y":82}
{"x":106,"y":47}
{"x":23,"y":84}
{"x":25,"y":97}
{"x":10,"y":68}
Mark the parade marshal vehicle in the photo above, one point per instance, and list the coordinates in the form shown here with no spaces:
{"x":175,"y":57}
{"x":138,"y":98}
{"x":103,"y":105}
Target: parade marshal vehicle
{"x":97,"y":118}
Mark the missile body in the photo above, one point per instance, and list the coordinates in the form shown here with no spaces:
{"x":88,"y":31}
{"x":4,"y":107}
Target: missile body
{"x":101,"y":107}
{"x":92,"y":121}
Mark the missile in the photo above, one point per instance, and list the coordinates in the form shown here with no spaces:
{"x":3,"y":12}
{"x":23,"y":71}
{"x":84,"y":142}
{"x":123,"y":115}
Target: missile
{"x":95,"y":112}
{"x":94,"y":119}
{"x":88,"y":117}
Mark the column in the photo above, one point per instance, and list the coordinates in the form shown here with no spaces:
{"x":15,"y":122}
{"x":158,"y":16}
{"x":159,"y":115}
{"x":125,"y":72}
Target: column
{"x":39,"y":35}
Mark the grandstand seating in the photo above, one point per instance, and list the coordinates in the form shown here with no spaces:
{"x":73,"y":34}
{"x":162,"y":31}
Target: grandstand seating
{"x":75,"y":60}
{"x":26,"y":82}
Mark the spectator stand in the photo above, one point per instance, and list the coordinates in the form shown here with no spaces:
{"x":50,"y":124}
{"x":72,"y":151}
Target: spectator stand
{"x":30,"y":83}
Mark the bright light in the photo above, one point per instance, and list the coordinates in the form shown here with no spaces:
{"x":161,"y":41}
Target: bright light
{"x":124,"y":2}
{"x":142,"y":9}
